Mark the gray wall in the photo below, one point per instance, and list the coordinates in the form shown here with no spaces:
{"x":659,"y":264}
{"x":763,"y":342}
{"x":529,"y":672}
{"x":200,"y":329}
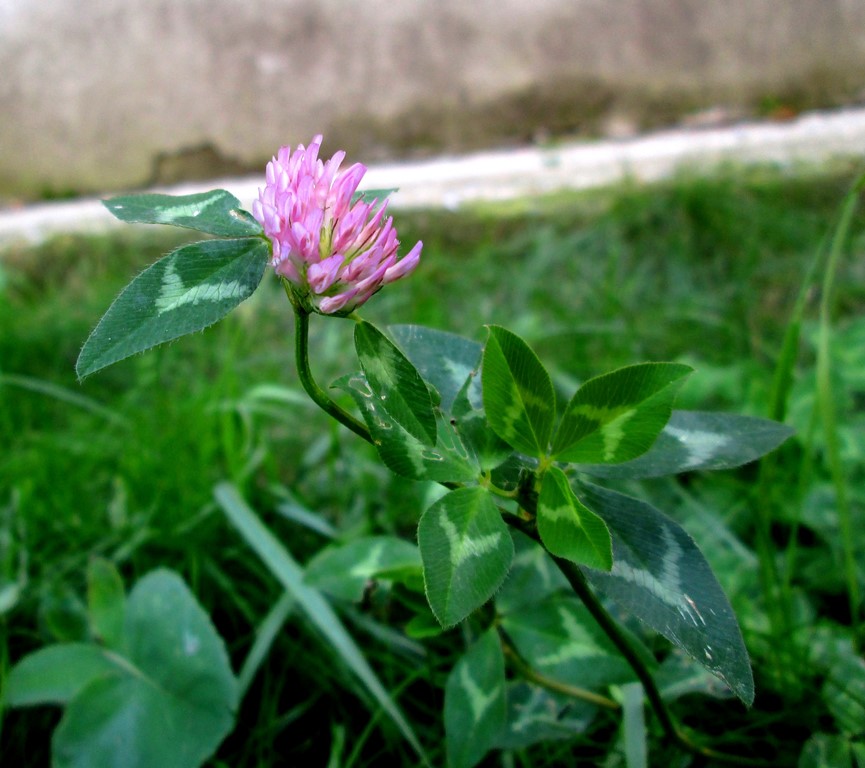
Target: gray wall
{"x":106,"y":94}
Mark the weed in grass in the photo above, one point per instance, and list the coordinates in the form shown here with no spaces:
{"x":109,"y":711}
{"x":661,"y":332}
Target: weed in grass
{"x":701,"y":270}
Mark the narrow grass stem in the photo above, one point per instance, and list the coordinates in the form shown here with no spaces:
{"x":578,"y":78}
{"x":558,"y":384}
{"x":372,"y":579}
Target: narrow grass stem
{"x":775,"y":597}
{"x":775,"y":586}
{"x":806,"y":478}
{"x":827,"y":407}
{"x":776,"y":583}
{"x":318,"y":395}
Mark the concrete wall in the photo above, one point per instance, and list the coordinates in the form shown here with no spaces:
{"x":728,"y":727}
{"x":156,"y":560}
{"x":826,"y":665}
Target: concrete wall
{"x":107,"y":94}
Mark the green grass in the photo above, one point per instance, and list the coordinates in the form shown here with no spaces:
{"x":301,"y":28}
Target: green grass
{"x":704,"y":271}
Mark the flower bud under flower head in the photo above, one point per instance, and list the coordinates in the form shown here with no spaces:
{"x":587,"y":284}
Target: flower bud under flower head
{"x":335,"y":253}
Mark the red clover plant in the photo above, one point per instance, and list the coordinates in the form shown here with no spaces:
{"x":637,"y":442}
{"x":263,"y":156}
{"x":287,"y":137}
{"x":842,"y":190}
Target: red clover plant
{"x":483,"y":420}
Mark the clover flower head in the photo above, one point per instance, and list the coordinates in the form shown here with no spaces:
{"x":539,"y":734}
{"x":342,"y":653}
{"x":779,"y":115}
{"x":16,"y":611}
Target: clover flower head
{"x":335,"y":251}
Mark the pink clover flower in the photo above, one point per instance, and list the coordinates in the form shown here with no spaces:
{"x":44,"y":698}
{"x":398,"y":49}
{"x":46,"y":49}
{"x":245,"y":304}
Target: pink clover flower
{"x":335,"y":251}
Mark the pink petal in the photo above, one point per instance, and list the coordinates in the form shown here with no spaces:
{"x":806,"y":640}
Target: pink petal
{"x":287,"y":270}
{"x":349,"y":227}
{"x":322,"y":275}
{"x":405,"y":265}
{"x":302,"y":241}
{"x":369,"y":234}
{"x":361,"y":266}
{"x":331,"y":304}
{"x":325,"y":182}
{"x":344,"y":188}
{"x":374,"y":280}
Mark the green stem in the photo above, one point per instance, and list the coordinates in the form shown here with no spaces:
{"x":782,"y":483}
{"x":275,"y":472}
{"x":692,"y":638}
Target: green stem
{"x":581,"y":587}
{"x":318,"y":395}
{"x":486,"y":482}
{"x":827,"y":408}
{"x":607,"y":623}
{"x":574,"y":574}
{"x":533,"y":676}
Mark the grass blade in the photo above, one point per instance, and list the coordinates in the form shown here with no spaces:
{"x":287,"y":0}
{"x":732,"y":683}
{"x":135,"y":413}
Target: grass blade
{"x":826,"y":402}
{"x":264,"y":637}
{"x":317,"y":609}
{"x":634,"y":726}
{"x":63,"y":395}
{"x":776,"y":585}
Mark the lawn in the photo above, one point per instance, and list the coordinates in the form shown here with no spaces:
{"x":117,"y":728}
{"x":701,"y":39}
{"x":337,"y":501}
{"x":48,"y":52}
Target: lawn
{"x":704,"y":271}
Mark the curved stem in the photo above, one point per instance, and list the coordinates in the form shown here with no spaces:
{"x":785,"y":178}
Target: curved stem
{"x":486,"y":482}
{"x":533,"y":676}
{"x":318,"y":395}
{"x":611,"y":629}
{"x":574,"y":574}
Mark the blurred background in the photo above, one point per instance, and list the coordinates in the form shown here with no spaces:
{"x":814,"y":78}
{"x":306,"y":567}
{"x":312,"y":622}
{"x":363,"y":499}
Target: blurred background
{"x":106,"y":94}
{"x":725,"y":270}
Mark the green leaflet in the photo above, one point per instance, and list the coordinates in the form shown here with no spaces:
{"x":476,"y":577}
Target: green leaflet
{"x":189,"y":289}
{"x":466,"y":550}
{"x":445,"y":360}
{"x":65,"y":614}
{"x":344,"y":570}
{"x":558,"y":637}
{"x":696,"y":440}
{"x":518,"y":394}
{"x":448,"y":460}
{"x":56,"y":674}
{"x":370,"y":195}
{"x":396,"y":383}
{"x":568,"y":528}
{"x":449,"y":364}
{"x":537,"y":714}
{"x":660,"y":576}
{"x":617,"y":416}
{"x":168,"y":698}
{"x":185,"y":291}
{"x":679,"y":675}
{"x":533,"y":576}
{"x":470,"y":423}
{"x":216,"y":212}
{"x":475,"y":706}
{"x":106,"y":602}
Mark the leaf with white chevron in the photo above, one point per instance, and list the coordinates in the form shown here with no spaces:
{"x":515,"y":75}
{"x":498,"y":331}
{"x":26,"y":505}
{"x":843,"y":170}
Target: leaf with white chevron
{"x":618,"y":416}
{"x":185,"y":291}
{"x":475,"y":706}
{"x":466,"y":550}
